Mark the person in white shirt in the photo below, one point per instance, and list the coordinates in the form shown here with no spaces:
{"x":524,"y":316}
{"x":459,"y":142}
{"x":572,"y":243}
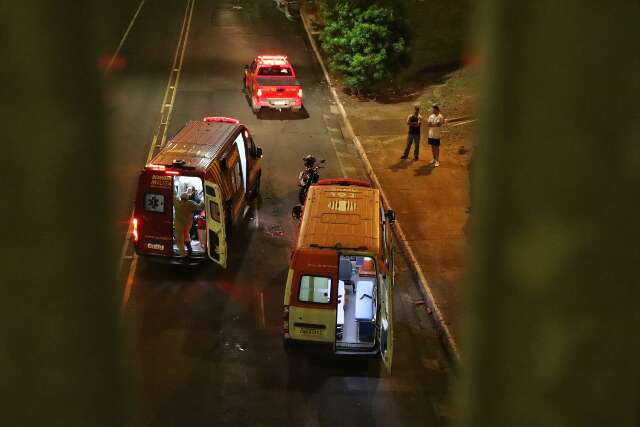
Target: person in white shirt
{"x":414,"y":121}
{"x":434,"y":123}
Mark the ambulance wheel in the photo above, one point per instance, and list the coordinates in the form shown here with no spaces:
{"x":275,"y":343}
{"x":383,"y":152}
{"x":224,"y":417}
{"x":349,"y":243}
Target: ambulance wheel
{"x":255,"y":107}
{"x":286,"y":344}
{"x":296,"y":109}
{"x":255,"y":192}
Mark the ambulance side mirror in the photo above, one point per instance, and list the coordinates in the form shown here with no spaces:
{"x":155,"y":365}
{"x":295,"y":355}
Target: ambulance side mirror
{"x":296,"y":212}
{"x":391,"y":215}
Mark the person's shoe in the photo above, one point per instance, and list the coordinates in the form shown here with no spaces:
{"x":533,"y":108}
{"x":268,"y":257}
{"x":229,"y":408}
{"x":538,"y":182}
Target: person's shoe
{"x":437,"y":163}
{"x":415,"y":158}
{"x":403,"y":157}
{"x":432,"y":161}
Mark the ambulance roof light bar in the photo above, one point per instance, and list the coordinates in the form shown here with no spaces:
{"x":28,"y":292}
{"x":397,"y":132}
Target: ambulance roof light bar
{"x":228,"y":120}
{"x":162,"y":168}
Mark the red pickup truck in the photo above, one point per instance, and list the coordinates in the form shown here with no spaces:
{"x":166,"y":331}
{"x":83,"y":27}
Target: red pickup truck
{"x":271,"y":82}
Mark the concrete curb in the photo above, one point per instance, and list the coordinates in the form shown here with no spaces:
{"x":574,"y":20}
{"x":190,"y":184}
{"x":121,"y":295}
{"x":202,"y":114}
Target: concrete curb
{"x":438,"y":319}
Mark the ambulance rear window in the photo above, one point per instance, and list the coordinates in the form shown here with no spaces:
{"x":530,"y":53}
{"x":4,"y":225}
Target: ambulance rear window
{"x":154,"y":202}
{"x":315,"y":289}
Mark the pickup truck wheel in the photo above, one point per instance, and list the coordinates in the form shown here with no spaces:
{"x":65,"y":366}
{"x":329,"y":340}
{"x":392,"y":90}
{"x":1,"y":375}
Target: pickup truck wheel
{"x":255,"y":107}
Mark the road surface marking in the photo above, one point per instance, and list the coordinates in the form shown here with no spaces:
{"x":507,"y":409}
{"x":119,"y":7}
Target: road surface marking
{"x":326,"y":118}
{"x":129,"y":285}
{"x":174,"y":78}
{"x":124,"y":37}
{"x":166,"y":109}
{"x":263,"y":323}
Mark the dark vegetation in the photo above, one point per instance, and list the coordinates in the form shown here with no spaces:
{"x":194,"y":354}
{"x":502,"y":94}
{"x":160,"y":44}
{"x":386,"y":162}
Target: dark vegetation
{"x":379,"y":46}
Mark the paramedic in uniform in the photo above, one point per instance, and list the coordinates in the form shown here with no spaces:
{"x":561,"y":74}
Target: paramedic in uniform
{"x":185,"y":209}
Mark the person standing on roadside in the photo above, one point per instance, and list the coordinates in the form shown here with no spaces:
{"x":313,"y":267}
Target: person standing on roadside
{"x":434,"y":123}
{"x":414,"y":121}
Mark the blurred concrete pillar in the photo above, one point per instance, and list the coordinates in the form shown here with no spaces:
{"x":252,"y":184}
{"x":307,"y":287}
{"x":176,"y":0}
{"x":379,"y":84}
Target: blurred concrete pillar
{"x":552,"y":330}
{"x":60,"y":351}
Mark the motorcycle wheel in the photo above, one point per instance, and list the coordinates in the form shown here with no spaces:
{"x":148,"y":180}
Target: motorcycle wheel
{"x":302,"y":195}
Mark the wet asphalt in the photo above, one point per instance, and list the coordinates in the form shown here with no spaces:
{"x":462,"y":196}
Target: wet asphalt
{"x":206,"y":342}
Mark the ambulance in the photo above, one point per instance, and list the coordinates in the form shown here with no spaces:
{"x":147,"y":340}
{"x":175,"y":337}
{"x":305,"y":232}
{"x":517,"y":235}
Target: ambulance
{"x":339,"y":290}
{"x":218,"y":163}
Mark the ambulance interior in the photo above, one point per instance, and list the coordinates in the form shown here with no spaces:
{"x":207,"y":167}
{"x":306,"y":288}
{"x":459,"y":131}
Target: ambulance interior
{"x":197,"y":232}
{"x":357,"y":302}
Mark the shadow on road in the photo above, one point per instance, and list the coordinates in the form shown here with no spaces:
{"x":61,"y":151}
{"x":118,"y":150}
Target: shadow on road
{"x":424,"y":170}
{"x":400,"y":165}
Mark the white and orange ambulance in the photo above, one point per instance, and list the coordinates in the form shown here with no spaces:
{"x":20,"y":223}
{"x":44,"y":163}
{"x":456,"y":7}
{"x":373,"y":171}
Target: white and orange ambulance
{"x":339,"y":290}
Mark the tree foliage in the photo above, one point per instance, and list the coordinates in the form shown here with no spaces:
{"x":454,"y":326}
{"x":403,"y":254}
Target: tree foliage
{"x":363,"y":43}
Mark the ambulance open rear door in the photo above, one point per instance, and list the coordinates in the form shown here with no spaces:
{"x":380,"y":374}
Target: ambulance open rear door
{"x":386,"y":317}
{"x":216,"y":235}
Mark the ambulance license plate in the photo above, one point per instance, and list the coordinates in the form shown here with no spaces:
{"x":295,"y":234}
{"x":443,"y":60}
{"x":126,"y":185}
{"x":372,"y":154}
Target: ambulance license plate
{"x":279,"y":102}
{"x":310,"y":331}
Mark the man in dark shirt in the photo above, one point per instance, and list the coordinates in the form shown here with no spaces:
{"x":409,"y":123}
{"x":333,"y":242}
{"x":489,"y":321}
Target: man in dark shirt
{"x":413,"y":136}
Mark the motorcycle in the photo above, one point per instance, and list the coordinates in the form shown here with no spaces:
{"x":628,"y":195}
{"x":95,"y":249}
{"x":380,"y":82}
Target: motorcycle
{"x":308,"y":176}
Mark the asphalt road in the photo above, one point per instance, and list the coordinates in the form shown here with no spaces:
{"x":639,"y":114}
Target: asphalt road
{"x":207,"y":342}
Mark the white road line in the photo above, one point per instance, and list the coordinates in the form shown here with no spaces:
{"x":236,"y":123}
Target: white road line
{"x":462,"y":123}
{"x":128,"y":287}
{"x":263,"y":323}
{"x":125,"y":244}
{"x":124,"y":37}
{"x":176,"y":68}
{"x":326,"y":118}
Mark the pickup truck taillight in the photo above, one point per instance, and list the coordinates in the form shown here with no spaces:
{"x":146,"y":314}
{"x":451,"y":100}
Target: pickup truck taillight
{"x":285,"y":320}
{"x":259,"y":93}
{"x":299,"y":93}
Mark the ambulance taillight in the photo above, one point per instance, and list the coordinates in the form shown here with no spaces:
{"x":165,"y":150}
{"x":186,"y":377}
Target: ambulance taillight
{"x":134,"y":229}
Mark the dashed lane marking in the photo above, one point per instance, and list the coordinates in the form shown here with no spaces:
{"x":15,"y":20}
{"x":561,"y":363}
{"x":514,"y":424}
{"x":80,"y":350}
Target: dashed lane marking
{"x":129,"y":285}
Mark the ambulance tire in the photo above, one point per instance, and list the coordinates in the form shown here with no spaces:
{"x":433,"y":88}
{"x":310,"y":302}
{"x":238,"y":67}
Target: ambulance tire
{"x":255,"y":192}
{"x":302,"y":195}
{"x":227,"y":219}
{"x":286,"y":344}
